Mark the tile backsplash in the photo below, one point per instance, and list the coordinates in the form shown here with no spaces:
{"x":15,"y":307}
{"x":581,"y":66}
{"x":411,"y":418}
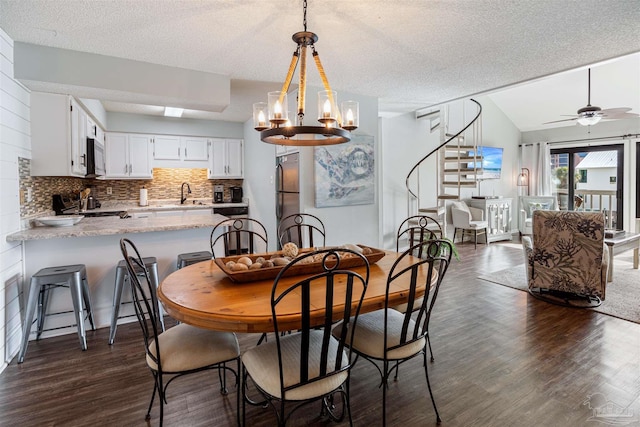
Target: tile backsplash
{"x":165,"y":184}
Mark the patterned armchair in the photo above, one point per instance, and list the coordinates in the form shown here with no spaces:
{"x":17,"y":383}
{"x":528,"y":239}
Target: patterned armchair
{"x":567,"y":255}
{"x":529,"y":204}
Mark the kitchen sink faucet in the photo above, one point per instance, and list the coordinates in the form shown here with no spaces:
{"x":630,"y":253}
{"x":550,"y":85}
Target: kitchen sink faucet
{"x":182,"y":196}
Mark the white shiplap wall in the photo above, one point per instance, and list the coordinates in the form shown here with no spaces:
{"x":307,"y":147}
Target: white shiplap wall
{"x":15,"y":141}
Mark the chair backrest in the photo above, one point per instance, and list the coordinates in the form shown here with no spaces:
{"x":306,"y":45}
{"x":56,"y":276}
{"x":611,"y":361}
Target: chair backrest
{"x":460,"y":214}
{"x":238,"y":235}
{"x":416,"y":229}
{"x":427,"y":272}
{"x":305,"y":230}
{"x":341,"y":290}
{"x":568,"y":250}
{"x":144,"y":298}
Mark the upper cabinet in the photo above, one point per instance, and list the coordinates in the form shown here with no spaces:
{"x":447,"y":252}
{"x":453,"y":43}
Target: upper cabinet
{"x":58,"y":136}
{"x":180,"y":151}
{"x":128,"y":156}
{"x":227,"y":159}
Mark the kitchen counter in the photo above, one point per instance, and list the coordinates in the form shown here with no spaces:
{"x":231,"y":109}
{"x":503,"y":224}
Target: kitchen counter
{"x":104,"y":226}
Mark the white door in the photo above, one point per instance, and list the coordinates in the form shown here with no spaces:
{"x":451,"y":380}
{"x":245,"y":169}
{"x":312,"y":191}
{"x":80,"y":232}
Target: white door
{"x":117,"y":159}
{"x":166,"y":147}
{"x":234,"y":158}
{"x":196,"y":149}
{"x":140,"y":156}
{"x":78,"y":140}
{"x":218,"y":162}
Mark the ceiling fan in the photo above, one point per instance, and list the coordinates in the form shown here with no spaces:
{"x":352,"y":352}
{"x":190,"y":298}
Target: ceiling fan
{"x":591,"y":114}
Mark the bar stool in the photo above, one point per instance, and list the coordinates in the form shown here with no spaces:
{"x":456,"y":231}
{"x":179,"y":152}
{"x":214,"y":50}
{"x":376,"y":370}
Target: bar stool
{"x":192,"y":257}
{"x":151,"y":263}
{"x":73,"y":277}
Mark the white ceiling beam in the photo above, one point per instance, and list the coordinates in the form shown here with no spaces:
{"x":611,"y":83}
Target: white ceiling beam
{"x":120,"y":79}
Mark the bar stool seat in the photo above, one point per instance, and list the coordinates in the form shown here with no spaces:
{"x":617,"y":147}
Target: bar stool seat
{"x":73,"y":277}
{"x":122,"y":275}
{"x":193,"y":257}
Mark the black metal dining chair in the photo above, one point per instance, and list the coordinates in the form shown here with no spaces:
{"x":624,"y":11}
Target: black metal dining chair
{"x":238,"y":236}
{"x":390,"y":337}
{"x":416,"y":229}
{"x":305,"y":230}
{"x":310,"y":364}
{"x":182,"y":349}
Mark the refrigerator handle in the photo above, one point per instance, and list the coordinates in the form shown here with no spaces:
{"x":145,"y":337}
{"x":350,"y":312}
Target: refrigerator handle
{"x":279,"y":194}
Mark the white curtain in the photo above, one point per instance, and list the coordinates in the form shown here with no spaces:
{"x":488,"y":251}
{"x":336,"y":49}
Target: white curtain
{"x":537,"y":158}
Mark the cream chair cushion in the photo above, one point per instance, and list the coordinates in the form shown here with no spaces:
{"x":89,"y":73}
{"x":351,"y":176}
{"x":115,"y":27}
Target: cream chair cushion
{"x":185,"y":347}
{"x":369,"y":335}
{"x":262,"y":364}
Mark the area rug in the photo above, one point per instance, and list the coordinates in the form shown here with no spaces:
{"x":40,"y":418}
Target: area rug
{"x":623,"y":293}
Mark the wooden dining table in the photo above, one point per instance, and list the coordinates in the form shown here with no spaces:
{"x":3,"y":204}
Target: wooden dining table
{"x":202,"y":295}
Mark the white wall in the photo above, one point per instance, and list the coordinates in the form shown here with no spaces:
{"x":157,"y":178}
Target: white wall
{"x":15,"y":141}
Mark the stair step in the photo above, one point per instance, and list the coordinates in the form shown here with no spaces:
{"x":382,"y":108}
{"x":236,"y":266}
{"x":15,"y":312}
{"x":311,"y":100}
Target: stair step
{"x":462,"y":158}
{"x":465,"y":171}
{"x":439,"y":210}
{"x":450,"y":135}
{"x":448,"y":197}
{"x":460,"y":183}
{"x":459,"y":148}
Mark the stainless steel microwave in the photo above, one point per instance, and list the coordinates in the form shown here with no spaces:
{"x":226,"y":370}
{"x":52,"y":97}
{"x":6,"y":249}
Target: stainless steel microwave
{"x":95,"y":158}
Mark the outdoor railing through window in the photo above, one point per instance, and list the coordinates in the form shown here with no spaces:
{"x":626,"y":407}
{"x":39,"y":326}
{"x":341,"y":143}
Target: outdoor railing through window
{"x":591,"y":201}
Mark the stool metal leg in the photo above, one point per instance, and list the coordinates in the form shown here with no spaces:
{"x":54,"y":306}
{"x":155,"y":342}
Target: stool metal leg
{"x":32,"y":301}
{"x":153,"y":276}
{"x":75,"y":286}
{"x":43,"y":301}
{"x":117,"y":296}
{"x":87,"y":301}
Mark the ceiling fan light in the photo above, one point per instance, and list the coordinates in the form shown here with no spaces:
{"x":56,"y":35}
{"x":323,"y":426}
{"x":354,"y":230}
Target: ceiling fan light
{"x":589,"y":120}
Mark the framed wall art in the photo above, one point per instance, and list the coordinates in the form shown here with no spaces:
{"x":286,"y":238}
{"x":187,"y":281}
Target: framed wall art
{"x":345,"y":173}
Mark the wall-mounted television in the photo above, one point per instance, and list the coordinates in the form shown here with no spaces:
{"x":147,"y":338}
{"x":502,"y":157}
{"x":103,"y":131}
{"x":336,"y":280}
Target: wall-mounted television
{"x":491,"y":163}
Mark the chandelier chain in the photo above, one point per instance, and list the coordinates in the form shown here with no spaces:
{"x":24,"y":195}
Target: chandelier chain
{"x":304,"y":18}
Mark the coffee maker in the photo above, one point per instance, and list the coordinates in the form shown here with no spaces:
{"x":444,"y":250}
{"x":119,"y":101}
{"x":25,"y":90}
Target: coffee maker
{"x":218,"y":193}
{"x":236,"y":194}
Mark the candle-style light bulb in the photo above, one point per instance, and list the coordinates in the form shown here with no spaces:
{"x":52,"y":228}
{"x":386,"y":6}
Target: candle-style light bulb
{"x":349,"y":117}
{"x":261,"y":119}
{"x":326,"y":110}
{"x":277,"y":110}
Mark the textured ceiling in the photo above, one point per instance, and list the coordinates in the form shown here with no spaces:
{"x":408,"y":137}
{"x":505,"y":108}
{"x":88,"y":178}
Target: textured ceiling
{"x":410,"y":54}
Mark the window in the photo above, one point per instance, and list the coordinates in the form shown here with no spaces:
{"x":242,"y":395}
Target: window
{"x":597,"y":179}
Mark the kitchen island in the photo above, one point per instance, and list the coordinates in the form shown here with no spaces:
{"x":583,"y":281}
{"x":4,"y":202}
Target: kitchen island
{"x":95,"y":242}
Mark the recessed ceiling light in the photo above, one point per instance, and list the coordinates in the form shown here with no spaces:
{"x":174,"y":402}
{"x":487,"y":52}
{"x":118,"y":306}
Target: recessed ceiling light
{"x":173,"y":112}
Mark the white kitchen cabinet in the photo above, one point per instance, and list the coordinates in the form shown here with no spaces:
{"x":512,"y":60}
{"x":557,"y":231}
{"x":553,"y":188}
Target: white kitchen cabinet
{"x":286,"y":149}
{"x":195,"y":149}
{"x":128,"y":156}
{"x":170,"y":151}
{"x":227,"y":159}
{"x":166,"y":147}
{"x":58,"y":136}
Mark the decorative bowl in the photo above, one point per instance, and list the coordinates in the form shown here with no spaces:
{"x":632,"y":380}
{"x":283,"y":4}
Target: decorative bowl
{"x":60,"y":221}
{"x":300,"y":269}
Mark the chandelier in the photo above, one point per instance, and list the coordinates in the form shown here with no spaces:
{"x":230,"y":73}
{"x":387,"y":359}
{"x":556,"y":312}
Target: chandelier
{"x":271,"y":118}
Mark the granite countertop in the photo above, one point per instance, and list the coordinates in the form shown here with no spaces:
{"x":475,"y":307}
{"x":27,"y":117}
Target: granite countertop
{"x":110,"y":225}
{"x":164,"y":205}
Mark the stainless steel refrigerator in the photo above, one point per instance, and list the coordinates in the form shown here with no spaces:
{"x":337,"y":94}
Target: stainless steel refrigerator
{"x":287,"y":187}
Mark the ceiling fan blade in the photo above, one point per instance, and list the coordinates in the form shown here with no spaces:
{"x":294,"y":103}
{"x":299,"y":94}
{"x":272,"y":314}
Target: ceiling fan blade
{"x":558,"y":121}
{"x":620,"y":116}
{"x":619,"y":110}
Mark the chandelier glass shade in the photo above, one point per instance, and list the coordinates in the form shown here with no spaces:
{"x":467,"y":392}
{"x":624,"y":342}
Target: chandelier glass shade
{"x":272,"y":119}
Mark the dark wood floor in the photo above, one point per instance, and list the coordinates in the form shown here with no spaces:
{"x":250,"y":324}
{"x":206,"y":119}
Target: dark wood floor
{"x":503,"y":358}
